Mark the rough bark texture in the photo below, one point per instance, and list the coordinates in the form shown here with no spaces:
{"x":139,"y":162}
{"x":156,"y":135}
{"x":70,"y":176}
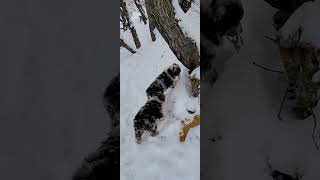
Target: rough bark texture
{"x":126,"y":46}
{"x":141,"y":10}
{"x":123,"y":20}
{"x":195,"y":86}
{"x":161,"y":12}
{"x":125,"y":14}
{"x":152,"y":27}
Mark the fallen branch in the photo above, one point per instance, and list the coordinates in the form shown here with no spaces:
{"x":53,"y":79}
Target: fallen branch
{"x":267,"y":69}
{"x":126,"y":46}
{"x":314,"y":130}
{"x":186,"y":127}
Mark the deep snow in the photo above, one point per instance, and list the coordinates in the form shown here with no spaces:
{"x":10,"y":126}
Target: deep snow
{"x":162,"y":157}
{"x":239,"y":111}
{"x":242,"y":108}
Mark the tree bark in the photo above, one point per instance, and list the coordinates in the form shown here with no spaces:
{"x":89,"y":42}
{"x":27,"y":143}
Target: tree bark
{"x":123,"y":20}
{"x":141,"y":10}
{"x":124,"y":13}
{"x":161,"y":12}
{"x":126,"y":46}
{"x":152,"y":27}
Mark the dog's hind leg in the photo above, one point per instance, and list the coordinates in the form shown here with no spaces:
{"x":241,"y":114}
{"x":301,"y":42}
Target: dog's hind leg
{"x":138,"y":134}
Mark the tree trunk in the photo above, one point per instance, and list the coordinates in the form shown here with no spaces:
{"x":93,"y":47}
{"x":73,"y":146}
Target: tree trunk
{"x":152,"y":27}
{"x":126,"y":46}
{"x":141,"y":10}
{"x":123,"y":20}
{"x":125,"y":13}
{"x":161,"y":12}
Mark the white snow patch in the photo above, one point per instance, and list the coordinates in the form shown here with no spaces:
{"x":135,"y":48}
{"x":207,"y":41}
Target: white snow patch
{"x":190,"y":21}
{"x":162,"y":157}
{"x":242,"y":107}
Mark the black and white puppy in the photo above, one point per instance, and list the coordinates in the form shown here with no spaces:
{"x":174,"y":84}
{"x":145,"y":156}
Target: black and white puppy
{"x":148,"y":116}
{"x":164,"y":81}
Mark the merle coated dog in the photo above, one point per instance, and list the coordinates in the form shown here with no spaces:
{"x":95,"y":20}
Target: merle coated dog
{"x":164,"y":81}
{"x":148,"y":116}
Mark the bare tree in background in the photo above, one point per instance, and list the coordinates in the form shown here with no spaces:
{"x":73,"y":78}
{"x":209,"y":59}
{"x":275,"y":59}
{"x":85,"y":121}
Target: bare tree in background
{"x":126,"y":21}
{"x":162,"y":14}
{"x":141,"y":10}
{"x":123,"y":21}
{"x":152,"y":27}
{"x":126,"y":46}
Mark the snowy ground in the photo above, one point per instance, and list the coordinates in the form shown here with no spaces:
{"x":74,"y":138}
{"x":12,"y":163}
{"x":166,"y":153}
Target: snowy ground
{"x":242,"y":107}
{"x":162,"y":157}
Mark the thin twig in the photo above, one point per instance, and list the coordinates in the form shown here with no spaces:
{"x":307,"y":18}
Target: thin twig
{"x":267,"y":69}
{"x":272,"y":39}
{"x":314,"y":129}
{"x":235,"y":42}
{"x":282,"y":103}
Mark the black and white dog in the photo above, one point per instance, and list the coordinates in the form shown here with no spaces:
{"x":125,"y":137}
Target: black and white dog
{"x":148,"y":116}
{"x":152,"y":111}
{"x":164,"y":81}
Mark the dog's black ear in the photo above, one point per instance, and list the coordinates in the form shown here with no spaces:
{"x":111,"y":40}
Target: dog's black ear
{"x":178,"y":70}
{"x":174,"y":70}
{"x":171,"y":72}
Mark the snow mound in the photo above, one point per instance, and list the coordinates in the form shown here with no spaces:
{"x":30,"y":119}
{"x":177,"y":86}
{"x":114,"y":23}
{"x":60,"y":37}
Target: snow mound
{"x":306,"y":16}
{"x":161,"y":157}
{"x":196,"y":73}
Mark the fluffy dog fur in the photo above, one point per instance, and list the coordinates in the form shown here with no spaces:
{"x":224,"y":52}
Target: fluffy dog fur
{"x":165,"y":80}
{"x":148,"y":116}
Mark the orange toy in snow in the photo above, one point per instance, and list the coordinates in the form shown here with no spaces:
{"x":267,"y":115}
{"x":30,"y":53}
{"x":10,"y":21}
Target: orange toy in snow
{"x":186,"y":127}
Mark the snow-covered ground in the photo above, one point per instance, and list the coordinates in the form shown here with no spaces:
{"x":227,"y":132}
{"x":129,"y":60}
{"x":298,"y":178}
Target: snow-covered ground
{"x":239,"y":111}
{"x":162,"y":157}
{"x":242,"y":108}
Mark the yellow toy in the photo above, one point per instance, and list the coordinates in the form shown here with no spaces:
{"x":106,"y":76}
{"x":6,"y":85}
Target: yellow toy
{"x":186,"y":127}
